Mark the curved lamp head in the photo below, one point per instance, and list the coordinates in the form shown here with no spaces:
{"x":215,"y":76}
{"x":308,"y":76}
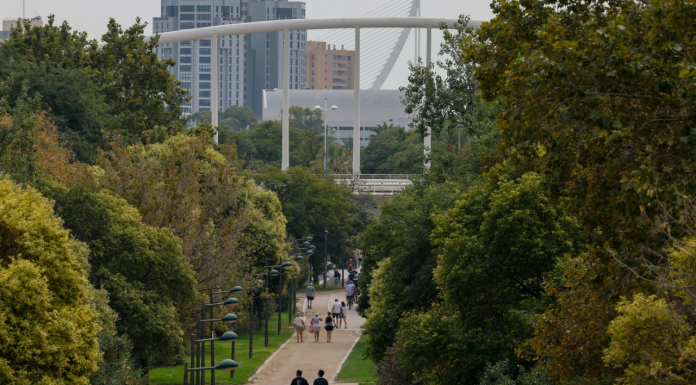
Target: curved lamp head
{"x":306,"y":243}
{"x":230,"y":318}
{"x":231,"y":301}
{"x":333,"y":107}
{"x":236,"y":289}
{"x":227,"y":365}
{"x":260,"y":282}
{"x":273,"y":273}
{"x":299,"y":259}
{"x":318,"y":108}
{"x":312,"y":247}
{"x":229,"y":336}
{"x":309,"y":239}
{"x":309,"y":252}
{"x":287,"y":264}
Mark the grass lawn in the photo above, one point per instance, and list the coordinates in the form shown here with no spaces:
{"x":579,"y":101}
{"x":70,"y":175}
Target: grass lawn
{"x":356,"y":369}
{"x":175,"y":374}
{"x":320,"y":288}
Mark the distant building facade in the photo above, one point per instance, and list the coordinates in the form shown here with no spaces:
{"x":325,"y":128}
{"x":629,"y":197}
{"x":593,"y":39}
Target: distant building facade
{"x":329,"y":69}
{"x":376,"y":107}
{"x":247,"y":63}
{"x":8,"y":24}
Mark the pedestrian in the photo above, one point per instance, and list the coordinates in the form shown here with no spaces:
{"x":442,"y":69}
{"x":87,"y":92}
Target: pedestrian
{"x":345,"y":314}
{"x":329,"y":326}
{"x":351,"y":275}
{"x":350,"y":265}
{"x":310,"y":295}
{"x":359,"y":260}
{"x":336,"y":308}
{"x":342,"y":315}
{"x":298,"y":380}
{"x":356,"y":276}
{"x":300,"y":327}
{"x":350,"y":291}
{"x":337,"y":277}
{"x":321,"y":380}
{"x":316,"y":326}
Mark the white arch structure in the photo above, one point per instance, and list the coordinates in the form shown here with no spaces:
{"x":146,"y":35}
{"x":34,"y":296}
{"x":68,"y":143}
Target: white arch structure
{"x":285,"y":26}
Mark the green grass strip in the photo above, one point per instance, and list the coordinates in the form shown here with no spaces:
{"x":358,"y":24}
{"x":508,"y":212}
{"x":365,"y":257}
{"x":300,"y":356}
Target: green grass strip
{"x":357,"y":369}
{"x":175,"y":374}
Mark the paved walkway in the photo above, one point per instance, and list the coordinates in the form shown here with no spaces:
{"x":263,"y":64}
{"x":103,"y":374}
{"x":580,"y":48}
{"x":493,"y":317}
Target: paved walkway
{"x":311,"y":356}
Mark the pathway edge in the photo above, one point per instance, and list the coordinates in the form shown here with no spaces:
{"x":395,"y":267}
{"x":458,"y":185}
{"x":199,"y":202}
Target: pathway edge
{"x":340,"y":366}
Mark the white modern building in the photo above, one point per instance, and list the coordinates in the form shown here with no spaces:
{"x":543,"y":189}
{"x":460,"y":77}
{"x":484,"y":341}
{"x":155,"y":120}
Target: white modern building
{"x":376,"y":107}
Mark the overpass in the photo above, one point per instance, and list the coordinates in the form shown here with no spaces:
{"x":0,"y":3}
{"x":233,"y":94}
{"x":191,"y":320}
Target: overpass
{"x":375,"y":184}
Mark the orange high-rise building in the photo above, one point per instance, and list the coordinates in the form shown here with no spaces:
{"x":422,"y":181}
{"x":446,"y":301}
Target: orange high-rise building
{"x":329,"y":69}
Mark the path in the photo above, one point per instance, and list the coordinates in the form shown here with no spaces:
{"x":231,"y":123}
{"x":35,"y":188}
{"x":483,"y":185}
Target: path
{"x":311,"y":356}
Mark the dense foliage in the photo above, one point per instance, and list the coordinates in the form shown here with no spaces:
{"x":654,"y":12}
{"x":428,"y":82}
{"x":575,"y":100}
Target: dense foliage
{"x":47,"y":329}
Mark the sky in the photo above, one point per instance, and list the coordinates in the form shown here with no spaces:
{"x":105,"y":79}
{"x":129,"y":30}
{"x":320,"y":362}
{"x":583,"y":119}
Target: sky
{"x":92,"y":16}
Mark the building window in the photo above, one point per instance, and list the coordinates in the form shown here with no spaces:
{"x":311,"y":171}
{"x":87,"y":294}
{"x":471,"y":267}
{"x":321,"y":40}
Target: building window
{"x":201,"y":25}
{"x":205,"y":109}
{"x":185,"y":77}
{"x":336,"y":87}
{"x":336,"y":80}
{"x":184,"y":51}
{"x":203,"y":17}
{"x":187,"y":25}
{"x":204,"y":94}
{"x":204,"y":51}
{"x":335,"y":65}
{"x":204,"y":59}
{"x":205,"y":68}
{"x":204,"y":8}
{"x":185,"y":59}
{"x":185,"y":43}
{"x":186,"y":85}
{"x":337,"y":57}
{"x":204,"y":102}
{"x":185,"y":68}
{"x":205,"y":43}
{"x":204,"y":77}
{"x":348,"y":57}
{"x":187,"y":16}
{"x":187,"y":8}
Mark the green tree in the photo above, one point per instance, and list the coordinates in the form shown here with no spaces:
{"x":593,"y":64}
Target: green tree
{"x":47,"y":329}
{"x":141,"y":267}
{"x":310,"y":203}
{"x":393,"y":150}
{"x":306,"y":119}
{"x":121,"y":88}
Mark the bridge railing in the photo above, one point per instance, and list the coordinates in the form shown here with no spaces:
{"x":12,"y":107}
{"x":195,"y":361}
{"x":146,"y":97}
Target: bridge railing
{"x":375,"y":176}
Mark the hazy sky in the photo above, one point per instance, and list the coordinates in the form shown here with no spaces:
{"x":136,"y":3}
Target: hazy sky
{"x":92,"y":16}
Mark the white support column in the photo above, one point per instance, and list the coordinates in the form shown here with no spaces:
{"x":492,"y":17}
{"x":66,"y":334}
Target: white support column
{"x":216,"y":82}
{"x":356,"y":121}
{"x":427,"y":141}
{"x":286,"y":101}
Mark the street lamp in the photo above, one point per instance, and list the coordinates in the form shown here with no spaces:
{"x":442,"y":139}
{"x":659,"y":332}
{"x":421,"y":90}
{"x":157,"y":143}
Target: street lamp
{"x":198,"y":341}
{"x":326,"y":136}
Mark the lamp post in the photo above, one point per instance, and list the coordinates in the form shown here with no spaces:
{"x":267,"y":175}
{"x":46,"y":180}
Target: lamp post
{"x":326,"y":233}
{"x":198,"y":341}
{"x":251,"y":320}
{"x":326,"y":136}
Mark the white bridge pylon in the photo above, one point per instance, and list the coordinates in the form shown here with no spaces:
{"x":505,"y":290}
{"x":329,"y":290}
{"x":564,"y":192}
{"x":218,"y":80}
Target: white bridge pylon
{"x":285,"y":26}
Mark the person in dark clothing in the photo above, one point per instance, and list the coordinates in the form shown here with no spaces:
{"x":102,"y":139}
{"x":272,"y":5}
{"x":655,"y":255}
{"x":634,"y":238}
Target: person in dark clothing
{"x":299,"y":380}
{"x":321,"y":380}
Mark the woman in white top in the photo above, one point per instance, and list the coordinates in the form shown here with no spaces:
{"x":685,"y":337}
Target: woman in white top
{"x":344,"y":318}
{"x":316,"y":326}
{"x":299,"y":327}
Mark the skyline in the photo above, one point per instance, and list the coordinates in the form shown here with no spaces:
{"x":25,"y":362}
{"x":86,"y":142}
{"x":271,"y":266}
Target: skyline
{"x":88,"y":16}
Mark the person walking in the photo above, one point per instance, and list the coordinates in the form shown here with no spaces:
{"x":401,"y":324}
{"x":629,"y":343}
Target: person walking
{"x":350,"y":291}
{"x":329,"y":326}
{"x":311,"y":291}
{"x":316,"y":326}
{"x":342,"y":315}
{"x":345,"y":314}
{"x":299,"y":327}
{"x":299,"y":380}
{"x":336,"y":308}
{"x":337,"y":277}
{"x":356,"y":276}
{"x":359,"y":260}
{"x":351,"y":275}
{"x":321,"y":380}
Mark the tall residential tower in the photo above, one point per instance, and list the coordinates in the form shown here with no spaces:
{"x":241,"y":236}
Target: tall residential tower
{"x":248,"y":64}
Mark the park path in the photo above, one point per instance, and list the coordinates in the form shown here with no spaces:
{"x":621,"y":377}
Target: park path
{"x":311,"y":356}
